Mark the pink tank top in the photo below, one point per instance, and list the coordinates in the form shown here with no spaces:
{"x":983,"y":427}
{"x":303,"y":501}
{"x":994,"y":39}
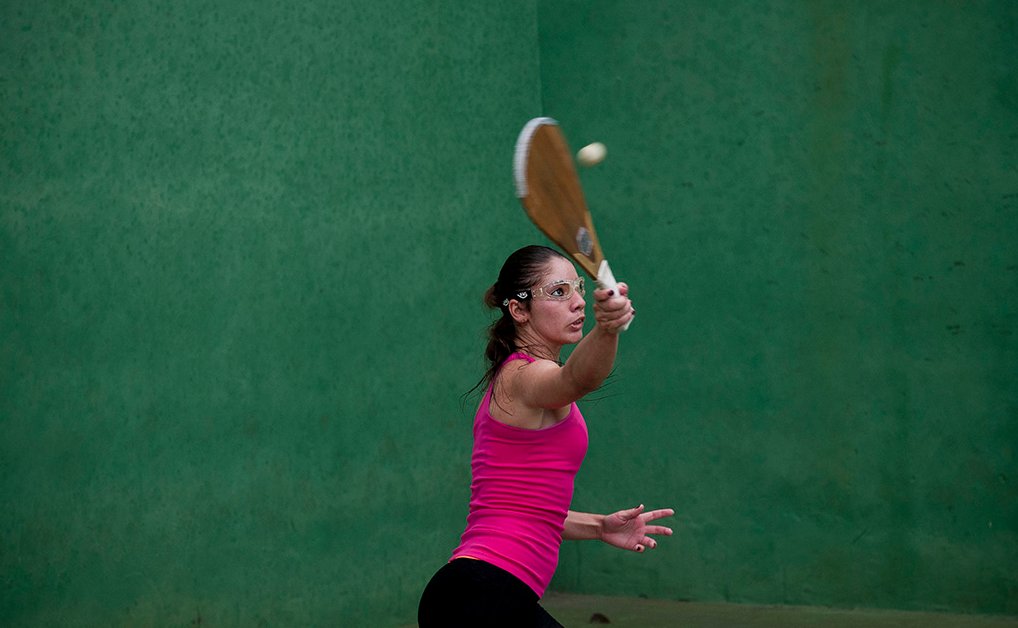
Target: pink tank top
{"x":521,"y":491}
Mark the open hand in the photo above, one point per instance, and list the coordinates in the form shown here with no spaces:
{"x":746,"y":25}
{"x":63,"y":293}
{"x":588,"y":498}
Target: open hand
{"x":628,"y":529}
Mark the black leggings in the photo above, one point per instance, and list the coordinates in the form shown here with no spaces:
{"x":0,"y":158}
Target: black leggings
{"x":467,"y":592}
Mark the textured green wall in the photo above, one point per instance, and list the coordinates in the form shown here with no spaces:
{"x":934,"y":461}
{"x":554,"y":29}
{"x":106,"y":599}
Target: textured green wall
{"x":817,"y":206}
{"x":242,"y":247}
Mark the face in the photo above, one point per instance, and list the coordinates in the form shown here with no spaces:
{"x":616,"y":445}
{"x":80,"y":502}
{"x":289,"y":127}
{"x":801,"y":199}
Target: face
{"x":556,"y":320}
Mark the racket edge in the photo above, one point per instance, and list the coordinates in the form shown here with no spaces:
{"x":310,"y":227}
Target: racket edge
{"x":523,"y":152}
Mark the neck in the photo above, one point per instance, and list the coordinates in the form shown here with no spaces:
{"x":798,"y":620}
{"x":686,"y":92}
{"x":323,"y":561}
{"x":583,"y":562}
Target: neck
{"x":536,"y":346}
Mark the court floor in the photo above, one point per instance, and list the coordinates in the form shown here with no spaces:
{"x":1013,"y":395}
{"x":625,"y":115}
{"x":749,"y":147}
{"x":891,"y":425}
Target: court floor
{"x":590,"y":610}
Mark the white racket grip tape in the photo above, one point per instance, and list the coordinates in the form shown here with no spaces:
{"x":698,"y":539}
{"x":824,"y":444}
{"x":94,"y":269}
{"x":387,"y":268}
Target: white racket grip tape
{"x":606,"y":281}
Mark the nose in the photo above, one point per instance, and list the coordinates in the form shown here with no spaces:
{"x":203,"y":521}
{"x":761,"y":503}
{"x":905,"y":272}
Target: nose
{"x":578,"y":302}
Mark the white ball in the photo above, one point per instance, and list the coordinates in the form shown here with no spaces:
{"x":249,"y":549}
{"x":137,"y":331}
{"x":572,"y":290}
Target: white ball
{"x":591,"y":154}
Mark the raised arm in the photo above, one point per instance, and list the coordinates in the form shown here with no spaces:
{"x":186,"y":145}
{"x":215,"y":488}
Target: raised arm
{"x":545,"y":384}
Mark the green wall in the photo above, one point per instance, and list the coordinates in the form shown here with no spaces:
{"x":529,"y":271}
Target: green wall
{"x":817,"y":206}
{"x":242,"y":248}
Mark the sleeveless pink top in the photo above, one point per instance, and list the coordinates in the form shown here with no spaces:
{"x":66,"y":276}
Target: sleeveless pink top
{"x":521,"y":491}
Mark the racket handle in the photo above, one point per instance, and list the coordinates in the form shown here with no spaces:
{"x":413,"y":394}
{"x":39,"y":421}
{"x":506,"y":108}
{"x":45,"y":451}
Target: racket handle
{"x":606,"y":281}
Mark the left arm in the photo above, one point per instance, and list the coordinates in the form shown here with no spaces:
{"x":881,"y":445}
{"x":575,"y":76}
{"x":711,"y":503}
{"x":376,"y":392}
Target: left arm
{"x":625,"y":529}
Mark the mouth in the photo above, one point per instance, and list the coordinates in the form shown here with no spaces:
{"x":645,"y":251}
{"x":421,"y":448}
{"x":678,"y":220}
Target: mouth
{"x":577,"y":324}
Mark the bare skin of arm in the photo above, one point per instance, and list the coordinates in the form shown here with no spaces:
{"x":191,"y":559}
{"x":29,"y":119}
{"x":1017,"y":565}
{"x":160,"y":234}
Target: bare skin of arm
{"x":626,"y":529}
{"x":535,"y":395}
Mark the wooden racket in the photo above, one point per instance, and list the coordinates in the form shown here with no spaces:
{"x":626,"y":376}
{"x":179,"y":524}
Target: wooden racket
{"x":549,"y":189}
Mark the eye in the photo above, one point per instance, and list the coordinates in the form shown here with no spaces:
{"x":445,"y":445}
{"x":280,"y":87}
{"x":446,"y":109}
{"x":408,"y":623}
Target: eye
{"x":559,"y":291}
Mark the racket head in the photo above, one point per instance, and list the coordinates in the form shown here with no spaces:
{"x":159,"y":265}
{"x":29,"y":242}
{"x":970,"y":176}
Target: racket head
{"x":550,"y":192}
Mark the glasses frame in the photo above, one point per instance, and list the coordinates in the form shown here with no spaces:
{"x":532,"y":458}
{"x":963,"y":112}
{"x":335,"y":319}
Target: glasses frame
{"x":575,"y":285}
{"x":541,"y":293}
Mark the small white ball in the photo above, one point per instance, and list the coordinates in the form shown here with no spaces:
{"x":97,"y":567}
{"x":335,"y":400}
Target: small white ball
{"x":591,"y":154}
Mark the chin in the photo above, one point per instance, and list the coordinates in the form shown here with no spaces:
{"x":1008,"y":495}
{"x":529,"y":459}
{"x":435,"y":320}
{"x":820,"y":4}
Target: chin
{"x":574,"y":337}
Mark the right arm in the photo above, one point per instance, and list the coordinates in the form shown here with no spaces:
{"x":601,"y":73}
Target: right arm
{"x":544,"y":384}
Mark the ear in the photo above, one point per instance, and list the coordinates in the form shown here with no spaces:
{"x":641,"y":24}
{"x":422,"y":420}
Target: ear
{"x":520,"y":314}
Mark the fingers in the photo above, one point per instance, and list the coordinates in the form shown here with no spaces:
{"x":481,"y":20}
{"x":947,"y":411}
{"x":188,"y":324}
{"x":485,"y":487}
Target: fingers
{"x":633,"y":513}
{"x":615,"y":325}
{"x":648,"y":516}
{"x":649,"y":542}
{"x":621,"y":288}
{"x":661,"y":530}
{"x":612,"y":310}
{"x":619,"y":294}
{"x":610,"y":297}
{"x":659,"y":513}
{"x":629,"y":514}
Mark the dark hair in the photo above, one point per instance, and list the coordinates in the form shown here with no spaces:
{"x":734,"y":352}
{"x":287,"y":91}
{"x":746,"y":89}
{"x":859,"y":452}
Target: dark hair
{"x":520,"y":272}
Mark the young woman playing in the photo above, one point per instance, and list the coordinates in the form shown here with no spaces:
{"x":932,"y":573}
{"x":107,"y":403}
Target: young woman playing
{"x":529,"y":442}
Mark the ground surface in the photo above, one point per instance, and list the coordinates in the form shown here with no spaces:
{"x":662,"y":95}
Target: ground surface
{"x":577,"y":610}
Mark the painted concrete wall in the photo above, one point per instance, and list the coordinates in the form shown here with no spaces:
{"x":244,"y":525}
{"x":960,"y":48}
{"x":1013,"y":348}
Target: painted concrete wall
{"x":816,"y":205}
{"x":242,"y":250}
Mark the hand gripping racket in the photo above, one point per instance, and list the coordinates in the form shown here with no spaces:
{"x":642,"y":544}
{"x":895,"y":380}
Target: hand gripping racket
{"x":548,"y":188}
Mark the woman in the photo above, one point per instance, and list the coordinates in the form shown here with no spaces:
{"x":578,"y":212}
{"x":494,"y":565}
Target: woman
{"x":529,"y":441}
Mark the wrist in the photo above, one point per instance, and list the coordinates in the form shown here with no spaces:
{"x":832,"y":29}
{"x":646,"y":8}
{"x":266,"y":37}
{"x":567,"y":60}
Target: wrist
{"x":607,"y":332}
{"x":583,"y":526}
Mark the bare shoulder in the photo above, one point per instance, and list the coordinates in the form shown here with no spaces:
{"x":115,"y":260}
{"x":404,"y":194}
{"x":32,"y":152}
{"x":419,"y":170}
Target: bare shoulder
{"x":516,"y":394}
{"x":538,"y":385}
{"x":519,"y":376}
{"x":521,"y":372}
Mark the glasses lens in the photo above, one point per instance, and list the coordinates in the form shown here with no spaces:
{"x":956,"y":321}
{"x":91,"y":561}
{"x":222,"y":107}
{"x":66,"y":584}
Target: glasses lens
{"x":562,"y":290}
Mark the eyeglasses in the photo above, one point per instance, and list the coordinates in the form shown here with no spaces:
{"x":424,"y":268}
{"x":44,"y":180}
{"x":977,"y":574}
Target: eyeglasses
{"x":560,"y":290}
